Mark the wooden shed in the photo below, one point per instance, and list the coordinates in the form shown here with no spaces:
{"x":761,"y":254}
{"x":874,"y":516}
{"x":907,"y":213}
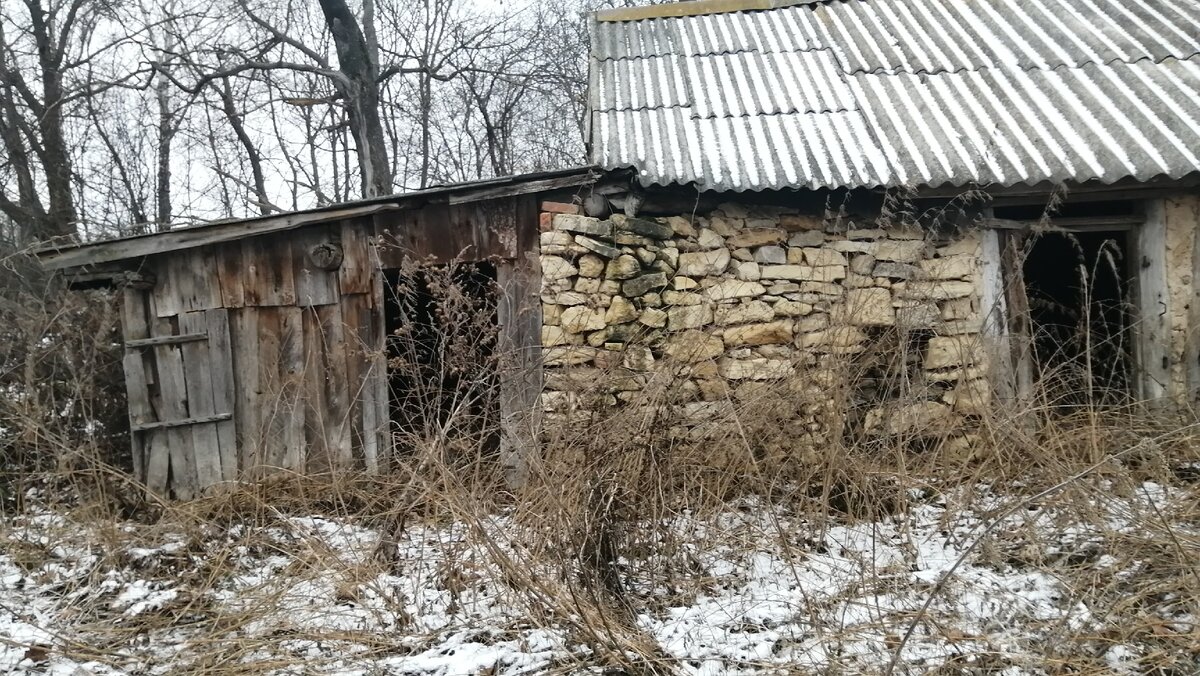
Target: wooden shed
{"x":259,"y":343}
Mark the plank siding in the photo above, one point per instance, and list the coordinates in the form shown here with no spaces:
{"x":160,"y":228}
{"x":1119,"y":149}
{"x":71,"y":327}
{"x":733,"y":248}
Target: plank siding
{"x":314,"y":286}
{"x":269,"y":277}
{"x":198,"y":382}
{"x":172,"y":387}
{"x":247,"y":417}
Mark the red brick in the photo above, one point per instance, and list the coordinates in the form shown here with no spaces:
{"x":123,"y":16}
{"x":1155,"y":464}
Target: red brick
{"x":546,"y":222}
{"x":560,"y":208}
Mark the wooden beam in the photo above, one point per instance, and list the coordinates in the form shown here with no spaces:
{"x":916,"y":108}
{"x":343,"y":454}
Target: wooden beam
{"x":165,"y":424}
{"x":165,"y":340}
{"x":1152,"y":328}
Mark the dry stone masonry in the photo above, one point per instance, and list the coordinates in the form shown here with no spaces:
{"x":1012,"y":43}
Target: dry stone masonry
{"x":748,"y":295}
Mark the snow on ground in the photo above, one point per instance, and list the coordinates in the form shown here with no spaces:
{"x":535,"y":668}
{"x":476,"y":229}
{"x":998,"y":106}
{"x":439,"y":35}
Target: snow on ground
{"x":763,"y":592}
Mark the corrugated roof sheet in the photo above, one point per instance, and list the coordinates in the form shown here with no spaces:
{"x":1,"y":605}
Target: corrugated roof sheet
{"x":869,"y":93}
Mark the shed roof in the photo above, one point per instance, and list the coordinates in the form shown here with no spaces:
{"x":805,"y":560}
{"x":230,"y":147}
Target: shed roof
{"x":761,"y":94}
{"x":62,"y":256}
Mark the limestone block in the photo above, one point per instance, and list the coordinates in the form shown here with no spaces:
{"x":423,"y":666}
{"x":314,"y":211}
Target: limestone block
{"x":670,"y":256}
{"x":584,"y":225}
{"x":936,"y":290}
{"x":959,"y":308}
{"x":856,"y":281}
{"x":554,"y":268}
{"x":683,"y":283}
{"x":774,"y":351}
{"x":848,"y":246}
{"x":709,"y":239}
{"x":692,"y":346}
{"x":568,"y":298}
{"x":652,"y":299}
{"x":755,"y":237}
{"x":689,"y":317}
{"x":743,"y":313}
{"x":624,"y":266}
{"x":682,"y":227}
{"x":646,"y":256}
{"x":961,"y":326}
{"x":653,"y":317}
{"x":755,"y":369}
{"x":806,"y":238}
{"x":647,"y":228}
{"x":599,"y":338}
{"x":970,"y":244}
{"x":893,"y":270}
{"x":814,"y":322}
{"x":590,"y":265}
{"x":747,"y":271}
{"x":596,"y":246}
{"x":865,"y":307}
{"x":826,"y":289}
{"x":554,"y":335}
{"x":625,"y":238}
{"x":587,"y":285}
{"x":725,"y":225}
{"x":551,"y":314}
{"x":836,"y":336}
{"x":971,"y":397}
{"x":768,"y":333}
{"x":951,"y":351}
{"x":828,"y":273}
{"x":820,"y":257}
{"x":610,"y":287}
{"x":580,"y":318}
{"x":734,"y":288}
{"x":555,"y":238}
{"x":704,"y":263}
{"x":926,"y":417}
{"x":963,"y":266}
{"x":794,"y":222}
{"x":795,"y":256}
{"x":862,"y":264}
{"x":620,"y":311}
{"x":921,"y":315}
{"x":681,"y":298}
{"x":742,"y":254}
{"x":644,"y":284}
{"x":771,"y":255}
{"x":901,"y":251}
{"x":567,"y":356}
{"x":791,"y":308}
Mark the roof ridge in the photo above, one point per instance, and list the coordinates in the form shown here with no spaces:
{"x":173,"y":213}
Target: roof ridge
{"x":673,"y":10}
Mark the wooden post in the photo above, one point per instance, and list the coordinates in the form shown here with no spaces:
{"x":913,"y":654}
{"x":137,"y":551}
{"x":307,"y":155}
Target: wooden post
{"x":1152,"y":325}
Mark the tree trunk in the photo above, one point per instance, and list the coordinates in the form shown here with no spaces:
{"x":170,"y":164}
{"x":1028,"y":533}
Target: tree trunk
{"x":361,"y":91}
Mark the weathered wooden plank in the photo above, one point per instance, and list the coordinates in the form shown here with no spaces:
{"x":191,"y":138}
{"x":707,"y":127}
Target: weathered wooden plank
{"x":314,"y":286}
{"x":197,"y":373}
{"x":336,"y":384}
{"x":519,"y":356}
{"x":186,"y":422}
{"x":1192,"y":348}
{"x":247,"y":416}
{"x":231,"y":274}
{"x":137,"y":386}
{"x":172,"y":387}
{"x":221,"y":359}
{"x":269,"y":278}
{"x":995,"y":315}
{"x":165,"y":340}
{"x":292,"y":364}
{"x":316,"y":409}
{"x":202,"y":290}
{"x":272,"y":401}
{"x":356,"y":314}
{"x":168,"y":300}
{"x":57,"y":258}
{"x":1153,"y":328}
{"x":358,"y":258}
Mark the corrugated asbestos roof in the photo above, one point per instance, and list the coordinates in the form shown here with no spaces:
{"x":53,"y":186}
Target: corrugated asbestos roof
{"x":869,"y":93}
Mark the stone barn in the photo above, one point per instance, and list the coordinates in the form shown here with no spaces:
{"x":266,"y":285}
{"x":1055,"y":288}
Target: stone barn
{"x":778,"y":189}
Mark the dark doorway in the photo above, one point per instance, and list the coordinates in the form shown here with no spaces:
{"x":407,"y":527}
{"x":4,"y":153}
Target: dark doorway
{"x":1077,"y":285}
{"x":441,"y":338}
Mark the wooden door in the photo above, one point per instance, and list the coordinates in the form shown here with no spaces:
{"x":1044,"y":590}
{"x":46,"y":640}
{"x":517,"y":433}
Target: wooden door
{"x":179,"y":379}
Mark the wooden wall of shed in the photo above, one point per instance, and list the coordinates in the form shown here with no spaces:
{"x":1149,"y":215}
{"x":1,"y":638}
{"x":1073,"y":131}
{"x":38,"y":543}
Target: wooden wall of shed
{"x":307,"y":364}
{"x":306,"y":343}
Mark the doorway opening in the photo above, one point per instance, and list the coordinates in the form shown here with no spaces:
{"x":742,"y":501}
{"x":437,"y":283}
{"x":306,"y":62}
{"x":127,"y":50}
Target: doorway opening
{"x":442,"y":323}
{"x":1077,"y":285}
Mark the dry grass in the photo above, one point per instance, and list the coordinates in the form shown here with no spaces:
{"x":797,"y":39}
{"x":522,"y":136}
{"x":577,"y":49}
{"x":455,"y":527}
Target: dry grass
{"x":622,"y":522}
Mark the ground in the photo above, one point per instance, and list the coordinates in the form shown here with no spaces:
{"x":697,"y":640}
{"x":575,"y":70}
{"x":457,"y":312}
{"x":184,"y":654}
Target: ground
{"x":988,"y":579}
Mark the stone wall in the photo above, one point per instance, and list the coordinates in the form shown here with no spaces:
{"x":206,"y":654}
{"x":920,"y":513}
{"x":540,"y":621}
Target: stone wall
{"x":748,"y":295}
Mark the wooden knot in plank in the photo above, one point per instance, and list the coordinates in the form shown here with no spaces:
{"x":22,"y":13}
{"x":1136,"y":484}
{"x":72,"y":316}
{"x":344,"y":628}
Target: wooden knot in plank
{"x":326,"y":256}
